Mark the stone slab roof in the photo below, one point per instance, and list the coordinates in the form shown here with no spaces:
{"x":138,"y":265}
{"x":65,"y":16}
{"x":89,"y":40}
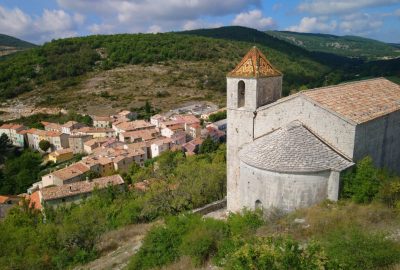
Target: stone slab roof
{"x":360,"y":101}
{"x":81,"y":187}
{"x":292,"y":149}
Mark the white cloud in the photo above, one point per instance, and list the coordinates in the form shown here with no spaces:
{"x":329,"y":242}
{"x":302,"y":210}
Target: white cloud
{"x":360,"y":23}
{"x":314,"y":24}
{"x":137,"y":10}
{"x":340,"y":6}
{"x":51,"y":24}
{"x":397,"y":12}
{"x":155,"y":29}
{"x":196,"y":24}
{"x":141,"y":15}
{"x":254,"y":19}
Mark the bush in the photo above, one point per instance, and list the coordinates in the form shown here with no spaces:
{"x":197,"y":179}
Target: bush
{"x":44,"y":145}
{"x":217,"y":116}
{"x":201,"y":242}
{"x":363,"y":183}
{"x":355,"y":248}
{"x":278,"y":253}
{"x":161,"y":244}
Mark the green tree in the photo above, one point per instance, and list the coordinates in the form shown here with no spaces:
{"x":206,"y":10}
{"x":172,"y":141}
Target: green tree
{"x":208,"y":146}
{"x":5,"y":144}
{"x":363,"y":183}
{"x":20,"y":172}
{"x":44,"y":145}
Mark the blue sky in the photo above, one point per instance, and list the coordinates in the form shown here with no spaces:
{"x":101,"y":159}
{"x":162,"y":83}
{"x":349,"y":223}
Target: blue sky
{"x":39,"y":21}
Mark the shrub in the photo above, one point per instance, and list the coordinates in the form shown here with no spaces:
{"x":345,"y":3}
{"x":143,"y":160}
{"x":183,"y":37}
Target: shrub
{"x":389,"y":194}
{"x":245,"y":223}
{"x":278,"y":253}
{"x":201,"y":242}
{"x":355,"y":248}
{"x":161,"y":244}
{"x":363,"y":183}
{"x":44,"y":145}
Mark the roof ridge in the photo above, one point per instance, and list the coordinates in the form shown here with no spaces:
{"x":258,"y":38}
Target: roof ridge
{"x":344,"y":83}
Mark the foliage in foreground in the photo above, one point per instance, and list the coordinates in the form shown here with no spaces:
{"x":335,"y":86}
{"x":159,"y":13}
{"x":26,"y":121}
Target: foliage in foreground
{"x":366,"y":183}
{"x":68,"y":235}
{"x":232,"y":245}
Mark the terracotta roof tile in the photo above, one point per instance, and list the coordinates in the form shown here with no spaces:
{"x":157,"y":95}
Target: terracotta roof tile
{"x":81,"y":187}
{"x":359,"y":101}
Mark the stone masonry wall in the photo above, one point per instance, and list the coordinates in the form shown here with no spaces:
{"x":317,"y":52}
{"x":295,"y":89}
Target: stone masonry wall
{"x":380,"y":139}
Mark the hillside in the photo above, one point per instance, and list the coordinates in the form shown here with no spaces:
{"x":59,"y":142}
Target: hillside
{"x":111,"y":72}
{"x":349,"y":46}
{"x":10,"y":45}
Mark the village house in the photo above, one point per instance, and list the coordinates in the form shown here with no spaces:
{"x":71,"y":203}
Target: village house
{"x":192,"y":148}
{"x":138,"y":135}
{"x":57,"y":139}
{"x":14,"y":133}
{"x":61,"y":155}
{"x":102,"y":121}
{"x":70,"y":174}
{"x":194,"y":130}
{"x":73,"y":192}
{"x":160,"y":145}
{"x":48,"y":126}
{"x":6,"y":203}
{"x":178,"y":138}
{"x":76,"y":143}
{"x":120,"y":127}
{"x":157,"y":119}
{"x":71,"y":125}
{"x":187,"y":119}
{"x":99,"y":164}
{"x":123,"y":162}
{"x":125,"y":114}
{"x":220,"y":125}
{"x":95,"y":132}
{"x":215,"y":134}
{"x":92,"y":144}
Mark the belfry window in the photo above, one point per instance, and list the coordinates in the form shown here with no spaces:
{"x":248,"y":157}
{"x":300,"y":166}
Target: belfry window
{"x":241,"y":93}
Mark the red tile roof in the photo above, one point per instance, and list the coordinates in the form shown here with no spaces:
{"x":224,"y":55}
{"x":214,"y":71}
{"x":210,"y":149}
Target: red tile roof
{"x":358,"y":101}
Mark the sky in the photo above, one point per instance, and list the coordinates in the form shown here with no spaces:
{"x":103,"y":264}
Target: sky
{"x":39,"y":21}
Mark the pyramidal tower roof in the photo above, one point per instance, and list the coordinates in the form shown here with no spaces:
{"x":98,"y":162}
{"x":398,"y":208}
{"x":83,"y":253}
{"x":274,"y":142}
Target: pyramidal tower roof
{"x":254,"y":65}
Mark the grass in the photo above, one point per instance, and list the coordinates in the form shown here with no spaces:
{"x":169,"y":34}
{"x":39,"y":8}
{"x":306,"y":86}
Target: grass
{"x":352,"y":236}
{"x":106,"y":92}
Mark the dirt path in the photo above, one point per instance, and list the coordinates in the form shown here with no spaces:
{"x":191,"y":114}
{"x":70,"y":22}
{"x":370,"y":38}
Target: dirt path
{"x":117,"y":248}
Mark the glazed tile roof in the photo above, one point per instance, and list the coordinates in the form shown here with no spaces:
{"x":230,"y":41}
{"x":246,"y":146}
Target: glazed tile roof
{"x":81,"y":187}
{"x":359,"y":101}
{"x":292,"y":149}
{"x":254,"y":65}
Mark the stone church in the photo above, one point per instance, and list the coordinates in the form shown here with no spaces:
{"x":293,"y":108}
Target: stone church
{"x":288,"y":152}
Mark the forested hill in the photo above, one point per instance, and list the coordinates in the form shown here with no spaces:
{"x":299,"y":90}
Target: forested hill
{"x":9,"y":45}
{"x":61,"y":66}
{"x":350,"y":46}
{"x":9,"y":41}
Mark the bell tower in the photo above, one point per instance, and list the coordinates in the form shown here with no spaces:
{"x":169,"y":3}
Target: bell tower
{"x":253,"y":83}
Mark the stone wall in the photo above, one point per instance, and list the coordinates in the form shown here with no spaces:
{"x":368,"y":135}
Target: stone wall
{"x":380,"y":139}
{"x":338,"y":132}
{"x":286,"y":191}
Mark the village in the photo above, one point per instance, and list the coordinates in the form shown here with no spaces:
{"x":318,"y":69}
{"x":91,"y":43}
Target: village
{"x":94,"y":157}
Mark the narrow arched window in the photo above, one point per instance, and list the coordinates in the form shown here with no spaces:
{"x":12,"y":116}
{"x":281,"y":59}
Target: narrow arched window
{"x":258,"y":205}
{"x":241,"y":93}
